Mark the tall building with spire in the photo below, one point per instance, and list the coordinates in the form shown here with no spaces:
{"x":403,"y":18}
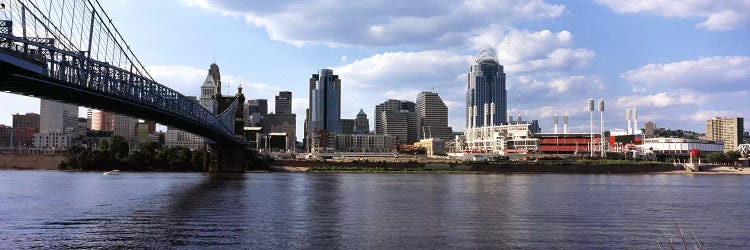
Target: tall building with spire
{"x":486,"y":96}
{"x":213,"y":70}
{"x":323,"y":118}
{"x":325,"y":101}
{"x":361,"y":123}
{"x":432,"y":117}
{"x":208,"y":90}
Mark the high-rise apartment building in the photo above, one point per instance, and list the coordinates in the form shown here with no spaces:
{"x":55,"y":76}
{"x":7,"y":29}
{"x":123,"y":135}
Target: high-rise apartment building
{"x":649,"y":130}
{"x":347,"y":126}
{"x":127,"y":128}
{"x":28,"y":120}
{"x":432,"y":117}
{"x":57,"y":124}
{"x":255,"y":110}
{"x":324,"y":113}
{"x":397,"y":118}
{"x":486,"y":96}
{"x":178,"y":138}
{"x":282,"y":122}
{"x":22,"y":132}
{"x":57,"y":117}
{"x":361,"y":123}
{"x":726,"y":130}
{"x":102,"y":121}
{"x":284,"y":103}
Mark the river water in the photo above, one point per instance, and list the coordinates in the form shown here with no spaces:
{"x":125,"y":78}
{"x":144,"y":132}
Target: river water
{"x":52,"y":209}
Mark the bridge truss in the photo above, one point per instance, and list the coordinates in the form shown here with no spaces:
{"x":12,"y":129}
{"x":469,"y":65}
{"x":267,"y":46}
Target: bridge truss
{"x":70,"y":51}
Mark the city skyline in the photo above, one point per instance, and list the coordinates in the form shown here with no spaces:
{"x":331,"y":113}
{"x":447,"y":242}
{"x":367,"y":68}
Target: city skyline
{"x":555,"y":57}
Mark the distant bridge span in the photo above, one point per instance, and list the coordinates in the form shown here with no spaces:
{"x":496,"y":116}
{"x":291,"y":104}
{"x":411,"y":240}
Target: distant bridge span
{"x":71,"y":52}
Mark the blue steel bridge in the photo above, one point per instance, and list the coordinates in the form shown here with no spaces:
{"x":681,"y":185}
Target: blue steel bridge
{"x":70,"y":51}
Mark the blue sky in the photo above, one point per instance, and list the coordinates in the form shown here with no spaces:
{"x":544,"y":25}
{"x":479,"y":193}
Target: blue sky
{"x":678,"y":62}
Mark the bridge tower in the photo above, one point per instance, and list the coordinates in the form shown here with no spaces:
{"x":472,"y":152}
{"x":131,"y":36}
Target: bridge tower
{"x":233,"y":156}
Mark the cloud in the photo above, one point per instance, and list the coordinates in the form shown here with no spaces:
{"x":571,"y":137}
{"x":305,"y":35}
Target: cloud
{"x":711,"y":74}
{"x":393,"y":69}
{"x":188,"y":80}
{"x":184,"y":79}
{"x":548,"y":87}
{"x":703,"y":115}
{"x":524,"y":51}
{"x":375,"y":23}
{"x":660,"y":100}
{"x":718,"y":14}
{"x":404,"y":94}
{"x":20,"y":104}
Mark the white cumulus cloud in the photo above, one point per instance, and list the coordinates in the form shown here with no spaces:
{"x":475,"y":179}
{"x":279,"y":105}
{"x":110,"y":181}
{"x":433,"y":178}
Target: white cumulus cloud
{"x":718,"y":14}
{"x":711,"y":74}
{"x":375,"y":22}
{"x":524,"y":51}
{"x":660,"y":100}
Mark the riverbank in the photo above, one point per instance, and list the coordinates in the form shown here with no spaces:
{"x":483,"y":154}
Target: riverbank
{"x":50,"y":162}
{"x":30,"y":162}
{"x":509,"y":168}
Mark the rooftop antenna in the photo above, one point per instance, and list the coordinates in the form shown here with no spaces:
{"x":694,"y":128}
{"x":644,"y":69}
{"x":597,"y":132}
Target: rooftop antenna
{"x":519,"y":107}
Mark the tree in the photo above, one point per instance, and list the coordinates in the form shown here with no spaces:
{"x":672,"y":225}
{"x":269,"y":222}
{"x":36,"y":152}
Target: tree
{"x":104,"y":145}
{"x":119,"y":148}
{"x":731,"y":156}
{"x":715,"y":157}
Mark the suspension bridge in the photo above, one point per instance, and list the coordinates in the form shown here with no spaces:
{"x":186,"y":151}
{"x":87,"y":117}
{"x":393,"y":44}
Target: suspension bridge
{"x":70,"y":51}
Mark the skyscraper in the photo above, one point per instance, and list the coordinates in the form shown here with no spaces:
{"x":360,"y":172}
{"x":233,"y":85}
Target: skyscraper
{"x":726,"y":130}
{"x":208,"y":90}
{"x":284,"y":103}
{"x":397,"y":118}
{"x":102,"y":121}
{"x":432,"y":117}
{"x":325,"y":101}
{"x":57,"y":117}
{"x":486,"y":96}
{"x":213,"y":71}
{"x":127,"y":128}
{"x":259,"y":106}
{"x":57,"y":124}
{"x":323,"y":118}
{"x":256,"y":109}
{"x":361,"y":123}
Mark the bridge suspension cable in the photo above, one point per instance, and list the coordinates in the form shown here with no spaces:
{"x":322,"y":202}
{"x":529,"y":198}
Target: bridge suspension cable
{"x":73,"y":47}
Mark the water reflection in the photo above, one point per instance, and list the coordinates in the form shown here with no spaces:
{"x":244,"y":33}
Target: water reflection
{"x":392,"y":211}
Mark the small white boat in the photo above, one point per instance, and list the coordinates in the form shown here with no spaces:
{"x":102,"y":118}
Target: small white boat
{"x":113,"y":172}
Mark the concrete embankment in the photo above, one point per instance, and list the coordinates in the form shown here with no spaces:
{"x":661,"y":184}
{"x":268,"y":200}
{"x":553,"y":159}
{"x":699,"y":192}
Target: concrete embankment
{"x":30,"y":161}
{"x":488,"y":168}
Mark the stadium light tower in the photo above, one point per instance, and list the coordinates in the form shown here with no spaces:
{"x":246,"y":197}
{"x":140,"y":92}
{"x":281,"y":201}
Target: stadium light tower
{"x":555,"y":120}
{"x":601,"y":128}
{"x":591,"y":128}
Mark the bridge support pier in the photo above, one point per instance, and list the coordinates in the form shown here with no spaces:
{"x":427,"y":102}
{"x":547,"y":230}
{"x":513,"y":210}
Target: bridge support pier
{"x":228,"y":158}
